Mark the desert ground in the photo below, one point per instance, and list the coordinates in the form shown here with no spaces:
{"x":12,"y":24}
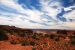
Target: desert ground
{"x":13,"y":38}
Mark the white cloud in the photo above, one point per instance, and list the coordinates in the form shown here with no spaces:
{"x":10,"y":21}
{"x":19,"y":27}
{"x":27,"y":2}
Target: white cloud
{"x":31,"y":14}
{"x":70,"y":15}
{"x":49,"y":9}
{"x":24,"y":16}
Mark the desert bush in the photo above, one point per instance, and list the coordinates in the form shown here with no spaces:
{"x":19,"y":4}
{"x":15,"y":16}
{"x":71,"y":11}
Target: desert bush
{"x":46,"y":35}
{"x":11,"y":32}
{"x":3,"y":35}
{"x":13,"y":42}
{"x":29,"y":32}
{"x":64,"y":32}
{"x":33,"y":48}
{"x":56,"y":38}
{"x":34,"y":36}
{"x":25,"y":33}
{"x":73,"y":40}
{"x":32,"y":43}
{"x":2,"y":31}
{"x":22,"y":34}
{"x":45,"y":43}
{"x":40,"y":34}
{"x":52,"y":36}
{"x":25,"y":43}
{"x":41,"y":49}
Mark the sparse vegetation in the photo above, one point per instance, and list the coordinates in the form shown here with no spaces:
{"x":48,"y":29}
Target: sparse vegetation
{"x":40,"y":34}
{"x":33,"y":48}
{"x":25,"y":43}
{"x":46,"y":35}
{"x":22,"y":34}
{"x":38,"y":41}
{"x":3,"y":35}
{"x":45,"y":43}
{"x":57,"y":39}
{"x":73,"y":40}
{"x":52,"y":36}
{"x":34,"y":36}
{"x":64,"y":32}
{"x":13,"y":42}
{"x":32,"y":43}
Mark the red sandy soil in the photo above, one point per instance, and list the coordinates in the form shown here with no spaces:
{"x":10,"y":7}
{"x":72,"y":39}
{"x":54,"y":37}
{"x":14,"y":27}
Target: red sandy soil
{"x":4,"y":45}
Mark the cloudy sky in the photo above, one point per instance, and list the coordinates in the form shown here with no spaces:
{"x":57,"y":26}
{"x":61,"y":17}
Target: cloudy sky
{"x":38,"y":14}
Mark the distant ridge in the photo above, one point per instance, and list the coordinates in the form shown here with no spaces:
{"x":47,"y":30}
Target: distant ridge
{"x":14,"y":27}
{"x":7,"y":27}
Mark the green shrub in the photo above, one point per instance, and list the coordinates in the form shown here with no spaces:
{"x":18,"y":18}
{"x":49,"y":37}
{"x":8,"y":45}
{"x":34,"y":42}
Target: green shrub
{"x":25,"y":33}
{"x":46,"y":35}
{"x":45,"y":43}
{"x":32,"y":43}
{"x":40,"y":49}
{"x":73,"y":40}
{"x":52,"y":36}
{"x":64,"y":32}
{"x":33,"y":48}
{"x":34,"y":36}
{"x":24,"y":43}
{"x":56,"y":38}
{"x":3,"y":35}
{"x":40,"y":34}
{"x":13,"y":42}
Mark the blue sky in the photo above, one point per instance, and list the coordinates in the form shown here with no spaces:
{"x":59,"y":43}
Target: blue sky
{"x":30,"y":3}
{"x":67,"y":3}
{"x":38,"y":14}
